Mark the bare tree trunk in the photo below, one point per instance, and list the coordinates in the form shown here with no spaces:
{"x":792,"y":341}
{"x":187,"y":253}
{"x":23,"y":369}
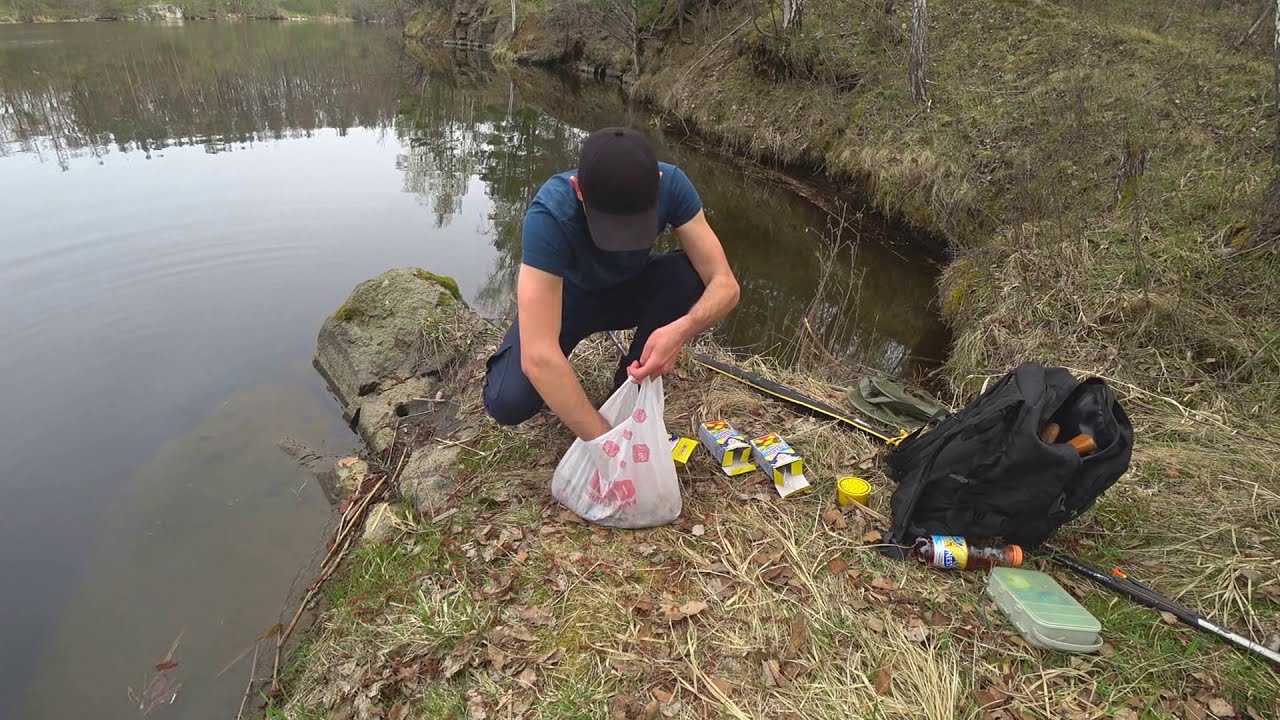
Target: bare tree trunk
{"x":513,"y":18}
{"x":792,"y":14}
{"x":1275,"y":54}
{"x":919,"y":35}
{"x":635,"y":37}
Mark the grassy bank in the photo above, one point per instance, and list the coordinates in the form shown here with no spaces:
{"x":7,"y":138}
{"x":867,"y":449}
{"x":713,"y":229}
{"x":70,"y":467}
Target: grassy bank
{"x":504,"y":605}
{"x":753,"y":607}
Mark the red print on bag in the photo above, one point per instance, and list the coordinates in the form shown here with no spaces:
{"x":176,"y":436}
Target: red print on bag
{"x":620,"y":495}
{"x":622,"y":464}
{"x":640,"y":453}
{"x":610,"y":448}
{"x":625,"y":491}
{"x":626,"y":434}
{"x":639,"y":415}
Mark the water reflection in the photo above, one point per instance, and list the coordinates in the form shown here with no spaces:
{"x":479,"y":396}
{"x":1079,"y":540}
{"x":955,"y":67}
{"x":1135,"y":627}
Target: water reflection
{"x":463,"y":127}
{"x":471,"y":122}
{"x":89,"y":89}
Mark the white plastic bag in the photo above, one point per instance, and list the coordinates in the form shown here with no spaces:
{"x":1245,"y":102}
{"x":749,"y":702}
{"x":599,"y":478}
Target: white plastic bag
{"x":626,"y":477}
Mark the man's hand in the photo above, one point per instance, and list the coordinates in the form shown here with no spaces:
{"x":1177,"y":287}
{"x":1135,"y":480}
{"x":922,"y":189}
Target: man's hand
{"x":661,"y":350}
{"x":539,"y":300}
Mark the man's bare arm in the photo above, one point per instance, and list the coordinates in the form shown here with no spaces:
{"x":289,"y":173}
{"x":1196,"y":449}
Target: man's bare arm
{"x":718,"y":298}
{"x":707,"y":255}
{"x":539,"y":296}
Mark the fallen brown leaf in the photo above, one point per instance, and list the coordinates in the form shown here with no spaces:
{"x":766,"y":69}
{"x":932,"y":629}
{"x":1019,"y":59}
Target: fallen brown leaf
{"x":662,"y":695}
{"x":1193,"y":710}
{"x":988,"y":698}
{"x":1221,"y":707}
{"x":1169,"y":618}
{"x":541,"y":615}
{"x":496,"y":658}
{"x":1124,"y":714}
{"x":674,"y":613}
{"x":772,"y":673}
{"x":795,"y":642}
{"x":567,"y":516}
{"x":722,"y":686}
{"x":881,"y":582}
{"x":620,"y":706}
{"x":875,"y":624}
{"x":497,"y":587}
{"x":528,"y":676}
{"x":872,"y":536}
{"x":459,"y":657}
{"x":166,"y":665}
{"x":834,"y":518}
{"x":399,"y":711}
{"x":838,"y":566}
{"x":477,"y":708}
{"x":520,"y":632}
{"x":883,"y":680}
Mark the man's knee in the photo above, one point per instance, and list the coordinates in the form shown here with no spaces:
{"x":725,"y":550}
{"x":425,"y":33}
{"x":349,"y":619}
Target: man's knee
{"x":509,"y":397}
{"x":506,"y":410}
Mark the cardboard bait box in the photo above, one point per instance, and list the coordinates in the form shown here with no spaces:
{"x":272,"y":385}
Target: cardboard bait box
{"x":780,"y":460}
{"x":681,"y":448}
{"x":728,"y":446}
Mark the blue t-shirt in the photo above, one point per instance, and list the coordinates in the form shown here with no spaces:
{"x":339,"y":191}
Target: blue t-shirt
{"x":556,"y":240}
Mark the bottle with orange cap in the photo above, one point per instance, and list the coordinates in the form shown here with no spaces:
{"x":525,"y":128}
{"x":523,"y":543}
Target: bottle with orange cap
{"x":952,"y":552}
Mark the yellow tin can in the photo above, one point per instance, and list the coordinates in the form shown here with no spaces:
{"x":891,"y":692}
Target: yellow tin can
{"x":852,"y":490}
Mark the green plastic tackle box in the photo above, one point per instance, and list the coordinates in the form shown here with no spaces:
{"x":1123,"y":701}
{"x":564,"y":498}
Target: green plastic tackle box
{"x":1045,"y":614}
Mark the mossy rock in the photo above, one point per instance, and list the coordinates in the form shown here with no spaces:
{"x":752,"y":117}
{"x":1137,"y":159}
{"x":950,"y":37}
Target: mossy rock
{"x":377,"y":333}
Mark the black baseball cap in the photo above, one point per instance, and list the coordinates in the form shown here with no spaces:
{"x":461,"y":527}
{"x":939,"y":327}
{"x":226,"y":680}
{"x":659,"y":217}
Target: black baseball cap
{"x":618,"y":178}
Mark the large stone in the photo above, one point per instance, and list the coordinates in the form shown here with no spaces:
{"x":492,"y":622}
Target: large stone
{"x":404,"y":406}
{"x":378,"y":333}
{"x":380,"y":524}
{"x":349,"y":472}
{"x":427,"y":477}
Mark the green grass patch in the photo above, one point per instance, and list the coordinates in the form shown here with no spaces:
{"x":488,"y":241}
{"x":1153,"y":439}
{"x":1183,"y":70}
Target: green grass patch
{"x":446,"y":701}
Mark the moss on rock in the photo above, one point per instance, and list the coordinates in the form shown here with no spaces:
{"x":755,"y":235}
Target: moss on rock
{"x":443,"y":281}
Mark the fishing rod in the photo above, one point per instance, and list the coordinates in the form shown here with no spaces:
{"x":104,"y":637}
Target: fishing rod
{"x":784,"y":393}
{"x":1136,"y":591}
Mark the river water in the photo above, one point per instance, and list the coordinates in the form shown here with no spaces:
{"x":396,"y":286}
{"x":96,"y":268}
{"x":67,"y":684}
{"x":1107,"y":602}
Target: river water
{"x":180,"y":207}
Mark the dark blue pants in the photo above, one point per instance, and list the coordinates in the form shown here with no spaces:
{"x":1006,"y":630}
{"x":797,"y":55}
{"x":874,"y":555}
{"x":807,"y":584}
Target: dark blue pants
{"x":664,"y":292}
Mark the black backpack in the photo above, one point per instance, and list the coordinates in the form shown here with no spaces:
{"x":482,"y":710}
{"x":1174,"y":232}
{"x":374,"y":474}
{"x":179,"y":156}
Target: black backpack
{"x":985,"y":473}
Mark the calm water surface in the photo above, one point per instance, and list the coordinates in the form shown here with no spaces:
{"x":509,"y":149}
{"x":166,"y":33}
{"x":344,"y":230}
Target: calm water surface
{"x":180,"y":207}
